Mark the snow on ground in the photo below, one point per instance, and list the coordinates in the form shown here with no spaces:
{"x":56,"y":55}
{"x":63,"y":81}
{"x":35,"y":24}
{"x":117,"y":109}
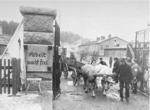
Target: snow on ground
{"x":31,"y":101}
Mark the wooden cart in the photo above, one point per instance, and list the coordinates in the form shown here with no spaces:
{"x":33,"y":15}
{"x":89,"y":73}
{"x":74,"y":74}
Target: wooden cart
{"x":74,"y":66}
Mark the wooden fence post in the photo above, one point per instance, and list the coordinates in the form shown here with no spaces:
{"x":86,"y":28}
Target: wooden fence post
{"x":14,"y":65}
{"x":9,"y":76}
{"x":18,"y":75}
{"x":0,"y":76}
{"x":4,"y":76}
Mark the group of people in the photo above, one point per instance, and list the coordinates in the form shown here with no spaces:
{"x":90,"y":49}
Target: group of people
{"x":124,"y":74}
{"x":125,"y":71}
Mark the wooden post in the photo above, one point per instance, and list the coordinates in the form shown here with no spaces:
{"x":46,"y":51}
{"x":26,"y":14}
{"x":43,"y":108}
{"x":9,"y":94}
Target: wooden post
{"x":4,"y":75}
{"x":13,"y":76}
{"x":8,"y":76}
{"x":0,"y":76}
{"x":18,"y":75}
{"x":135,"y":48}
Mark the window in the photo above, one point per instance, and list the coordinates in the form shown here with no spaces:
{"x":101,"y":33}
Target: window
{"x":107,"y":46}
{"x":117,"y":45}
{"x":115,"y":42}
{"x":142,"y":45}
{"x":101,"y":47}
{"x":139,"y":45}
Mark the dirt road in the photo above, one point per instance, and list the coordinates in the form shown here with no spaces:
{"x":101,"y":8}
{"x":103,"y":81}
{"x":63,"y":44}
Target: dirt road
{"x":74,"y":98}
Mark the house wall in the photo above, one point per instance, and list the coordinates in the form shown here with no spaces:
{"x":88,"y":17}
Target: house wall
{"x":99,"y":47}
{"x":114,"y":42}
{"x":1,"y":30}
{"x":120,"y":53}
{"x":88,"y":48}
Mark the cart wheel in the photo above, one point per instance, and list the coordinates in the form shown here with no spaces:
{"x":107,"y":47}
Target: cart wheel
{"x":74,"y":81}
{"x":66,"y":74}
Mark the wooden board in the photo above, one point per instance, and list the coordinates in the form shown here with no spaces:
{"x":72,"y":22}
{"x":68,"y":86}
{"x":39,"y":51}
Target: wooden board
{"x":38,"y":58}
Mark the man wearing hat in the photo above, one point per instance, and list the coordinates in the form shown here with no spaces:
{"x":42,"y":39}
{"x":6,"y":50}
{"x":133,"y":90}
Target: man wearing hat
{"x":115,"y":69}
{"x":125,"y":77}
{"x":102,"y":62}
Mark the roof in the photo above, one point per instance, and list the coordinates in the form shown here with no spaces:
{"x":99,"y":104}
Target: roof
{"x":88,"y":43}
{"x":111,"y":38}
{"x":97,"y":42}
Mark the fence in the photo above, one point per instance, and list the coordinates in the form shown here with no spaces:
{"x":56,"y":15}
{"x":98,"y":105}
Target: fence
{"x":9,"y":76}
{"x":142,"y":52}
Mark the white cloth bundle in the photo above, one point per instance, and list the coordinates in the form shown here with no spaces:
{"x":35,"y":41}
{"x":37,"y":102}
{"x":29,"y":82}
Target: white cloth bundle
{"x":103,"y":70}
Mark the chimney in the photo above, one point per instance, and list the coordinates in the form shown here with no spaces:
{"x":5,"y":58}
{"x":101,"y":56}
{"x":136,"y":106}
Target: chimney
{"x":1,"y":30}
{"x":102,"y":37}
{"x":109,"y":36}
{"x":98,"y":39}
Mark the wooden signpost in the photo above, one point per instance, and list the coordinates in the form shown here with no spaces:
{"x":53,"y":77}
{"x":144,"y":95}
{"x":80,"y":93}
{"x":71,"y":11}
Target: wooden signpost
{"x":39,"y":58}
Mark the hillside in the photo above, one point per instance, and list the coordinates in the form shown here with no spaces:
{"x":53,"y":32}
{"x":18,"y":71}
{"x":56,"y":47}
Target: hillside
{"x":4,"y":39}
{"x":8,"y":27}
{"x":71,"y":38}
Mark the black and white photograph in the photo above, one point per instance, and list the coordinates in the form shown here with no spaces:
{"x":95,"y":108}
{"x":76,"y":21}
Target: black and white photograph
{"x":74,"y":54}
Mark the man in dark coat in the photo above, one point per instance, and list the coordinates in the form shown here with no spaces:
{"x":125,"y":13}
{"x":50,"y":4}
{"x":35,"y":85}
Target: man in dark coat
{"x":116,"y":69}
{"x":102,"y":62}
{"x":125,"y":77}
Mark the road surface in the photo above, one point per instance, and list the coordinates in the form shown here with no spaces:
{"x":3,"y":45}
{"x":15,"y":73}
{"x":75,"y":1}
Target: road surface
{"x":74,"y":98}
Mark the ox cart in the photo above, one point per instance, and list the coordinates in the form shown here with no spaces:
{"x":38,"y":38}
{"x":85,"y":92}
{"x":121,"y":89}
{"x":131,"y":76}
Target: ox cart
{"x":74,"y":66}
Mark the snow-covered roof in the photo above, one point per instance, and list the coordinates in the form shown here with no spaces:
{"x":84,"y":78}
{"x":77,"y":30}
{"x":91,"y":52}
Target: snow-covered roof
{"x":100,"y":41}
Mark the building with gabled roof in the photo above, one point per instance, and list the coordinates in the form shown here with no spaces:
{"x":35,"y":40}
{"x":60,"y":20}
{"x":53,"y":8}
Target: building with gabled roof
{"x":101,"y":44}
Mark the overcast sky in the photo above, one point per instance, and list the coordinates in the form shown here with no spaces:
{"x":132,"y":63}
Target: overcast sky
{"x":89,"y":18}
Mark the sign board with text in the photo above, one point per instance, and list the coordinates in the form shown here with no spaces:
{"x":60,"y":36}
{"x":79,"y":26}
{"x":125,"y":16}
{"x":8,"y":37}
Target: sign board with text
{"x":39,"y":58}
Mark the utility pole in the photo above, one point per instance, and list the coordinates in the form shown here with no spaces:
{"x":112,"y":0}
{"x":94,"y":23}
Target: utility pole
{"x":135,"y":48}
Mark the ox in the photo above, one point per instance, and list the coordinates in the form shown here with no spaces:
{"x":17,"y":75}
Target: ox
{"x":91,"y":75}
{"x":104,"y":77}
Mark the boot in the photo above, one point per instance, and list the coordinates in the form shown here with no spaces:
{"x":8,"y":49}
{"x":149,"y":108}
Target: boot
{"x":121,"y":99}
{"x":127,"y":99}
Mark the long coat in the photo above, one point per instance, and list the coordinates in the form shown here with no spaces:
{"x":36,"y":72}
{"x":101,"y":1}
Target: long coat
{"x":125,"y":73}
{"x":116,"y":67}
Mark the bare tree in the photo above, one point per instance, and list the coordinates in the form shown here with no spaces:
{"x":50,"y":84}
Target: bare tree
{"x":94,"y":56}
{"x":83,"y":55}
